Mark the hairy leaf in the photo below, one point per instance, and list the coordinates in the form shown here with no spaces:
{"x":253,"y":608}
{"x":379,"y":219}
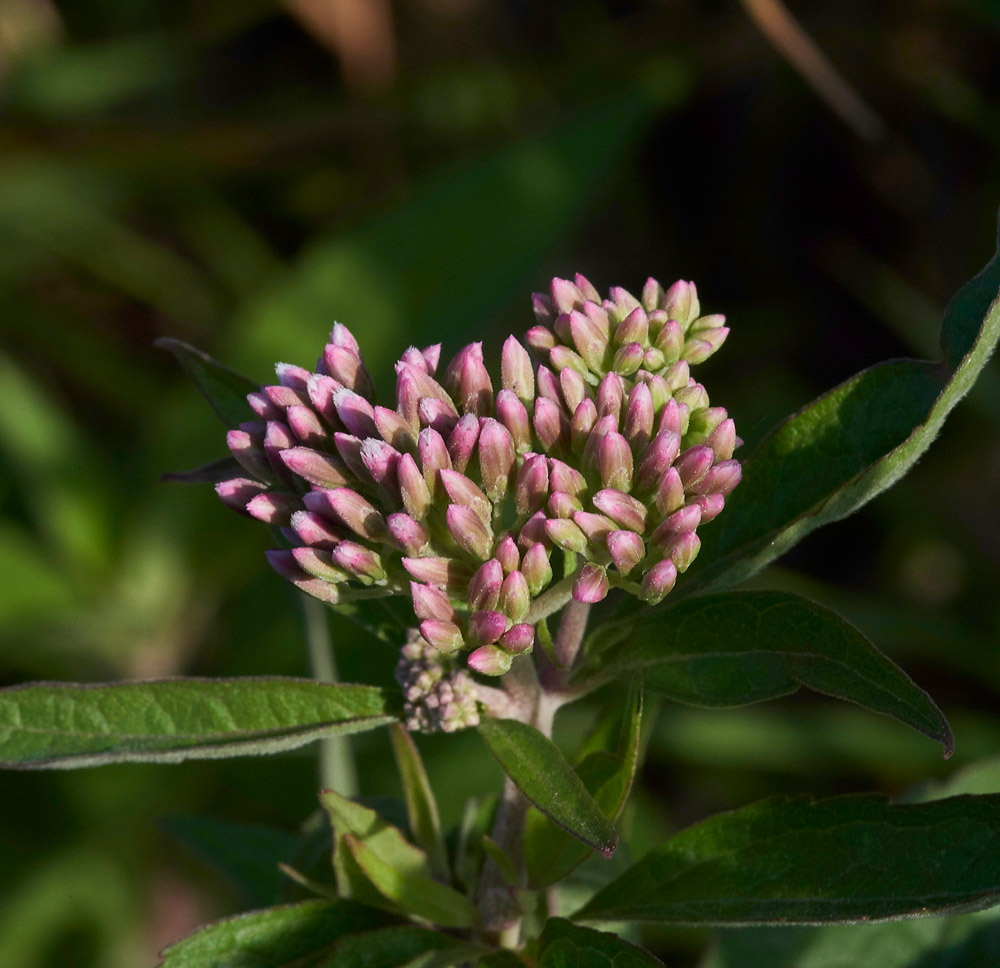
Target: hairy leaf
{"x":744,"y":647}
{"x":567,"y":945}
{"x":224,"y":389}
{"x":550,"y":854}
{"x":850,"y":444}
{"x":421,"y":807}
{"x":413,"y":892}
{"x":312,"y":934}
{"x":66,"y":725}
{"x":798,"y":860}
{"x":542,"y":774}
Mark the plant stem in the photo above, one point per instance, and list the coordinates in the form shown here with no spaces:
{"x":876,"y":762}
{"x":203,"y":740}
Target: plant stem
{"x":553,"y":600}
{"x":336,"y":761}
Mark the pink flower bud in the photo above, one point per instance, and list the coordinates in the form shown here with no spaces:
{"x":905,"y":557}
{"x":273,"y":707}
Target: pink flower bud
{"x":639,"y":416}
{"x":532,"y":484}
{"x":564,"y":534}
{"x":721,"y":479}
{"x":590,"y":342}
{"x":670,"y":492}
{"x":306,"y":426}
{"x":711,"y":505}
{"x":551,"y":424}
{"x":485,"y":628}
{"x":626,"y":549}
{"x":248,"y":449}
{"x":263,"y":407}
{"x":515,"y":598}
{"x":345,"y":366}
{"x":393,"y":429}
{"x":444,"y":636}
{"x":283,"y":397}
{"x":582,"y":423}
{"x":437,"y":571}
{"x":515,"y":371}
{"x":496,"y":457}
{"x":548,"y":386}
{"x":681,"y":302}
{"x":469,"y":531}
{"x":283,"y":562}
{"x":623,"y":300}
{"x":610,"y":396}
{"x":686,"y":519}
{"x":693,"y":395}
{"x":670,"y":419}
{"x":573,"y":387}
{"x":317,"y":468}
{"x":622,"y":508}
{"x":411,"y":356}
{"x":237,"y":493}
{"x":591,"y":585}
{"x":586,"y":287}
{"x":614,"y":462}
{"x":408,"y":395}
{"x":355,"y":413}
{"x":314,"y":530}
{"x":489,"y":660}
{"x":562,"y":356}
{"x":508,"y":555}
{"x":659,"y":455}
{"x":562,"y":505}
{"x":341,"y":336}
{"x":511,"y":413}
{"x":273,"y":507}
{"x":433,"y":453}
{"x":429,"y":602}
{"x":694,"y":464}
{"x":700,"y":348}
{"x":596,"y":527}
{"x":518,"y":639}
{"x":360,"y":561}
{"x":439,"y":414}
{"x":634,"y":328}
{"x":462,"y":441}
{"x":562,"y":477}
{"x":603,"y":427}
{"x":536,"y":568}
{"x":382,"y":461}
{"x":349,"y":448}
{"x":682,"y":549}
{"x":670,"y":341}
{"x":350,"y":509}
{"x":533,"y":531}
{"x":463,"y":491}
{"x":406,"y":534}
{"x":628,"y":359}
{"x":475,"y":387}
{"x":321,"y":389}
{"x":278,"y":437}
{"x":652,"y":292}
{"x":540,"y":339}
{"x":413,"y":488}
{"x":653,"y":360}
{"x":484,"y":588}
{"x":658,"y":581}
{"x":565,"y":295}
{"x":319,"y":564}
{"x":432,"y":357}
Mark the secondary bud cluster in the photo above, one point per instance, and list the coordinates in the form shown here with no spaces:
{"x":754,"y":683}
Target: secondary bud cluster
{"x":459,"y":495}
{"x":437,"y":697}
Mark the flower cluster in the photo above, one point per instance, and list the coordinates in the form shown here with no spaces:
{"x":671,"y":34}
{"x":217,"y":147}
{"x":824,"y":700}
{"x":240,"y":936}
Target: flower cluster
{"x":437,"y":697}
{"x":459,"y":495}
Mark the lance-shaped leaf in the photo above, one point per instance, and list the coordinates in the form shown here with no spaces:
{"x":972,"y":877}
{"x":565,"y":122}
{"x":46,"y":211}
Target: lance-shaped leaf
{"x":807,"y":861}
{"x":567,"y":945}
{"x":850,"y":444}
{"x":66,"y":725}
{"x":224,"y":389}
{"x":550,"y":854}
{"x":745,"y":647}
{"x":421,"y":807}
{"x":413,"y":892}
{"x":542,"y":774}
{"x":313,"y":934}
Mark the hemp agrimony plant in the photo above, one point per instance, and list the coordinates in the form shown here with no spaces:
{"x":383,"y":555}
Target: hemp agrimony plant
{"x":521,"y":536}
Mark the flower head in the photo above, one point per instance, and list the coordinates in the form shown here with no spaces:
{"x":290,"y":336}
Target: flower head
{"x":459,"y":496}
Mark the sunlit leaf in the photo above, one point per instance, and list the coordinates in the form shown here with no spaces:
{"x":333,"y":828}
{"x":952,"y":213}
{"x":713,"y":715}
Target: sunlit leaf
{"x":66,"y":725}
{"x":798,"y":860}
{"x":421,"y":807}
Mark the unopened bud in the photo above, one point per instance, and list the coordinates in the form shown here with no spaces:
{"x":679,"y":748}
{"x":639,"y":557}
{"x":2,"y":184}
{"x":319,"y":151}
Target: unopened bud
{"x":305,"y":425}
{"x":486,"y":627}
{"x":682,"y":549}
{"x":536,"y":568}
{"x":670,"y":492}
{"x":462,"y":441}
{"x":512,"y":414}
{"x":623,"y":508}
{"x":469,"y":531}
{"x":628,"y":359}
{"x":515,"y":598}
{"x":590,"y":342}
{"x":639,"y":416}
{"x":349,"y":448}
{"x":273,"y":507}
{"x":694,"y":464}
{"x":626,"y":549}
{"x":596,"y":527}
{"x":508,"y":555}
{"x":659,"y":455}
{"x":247,"y":446}
{"x":634,"y":328}
{"x":429,"y":602}
{"x":489,"y":660}
{"x":406,"y":533}
{"x":350,"y":509}
{"x":444,"y":636}
{"x":563,"y":533}
{"x":443,"y":572}
{"x":360,"y":561}
{"x":573,"y":387}
{"x":463,"y":491}
{"x":484,"y":588}
{"x":614,"y":462}
{"x":551,"y":424}
{"x":261,"y":405}
{"x":238,"y":492}
{"x":591,"y":585}
{"x":652,"y":293}
{"x":518,"y":639}
{"x":321,"y":389}
{"x":658,"y":581}
{"x":345,"y":366}
{"x":681,"y":302}
{"x":540,"y":339}
{"x":319,"y":564}
{"x":562,"y":505}
{"x":670,"y":341}
{"x":610,"y":396}
{"x":314,"y":530}
{"x":434,"y":456}
{"x":496,"y":457}
{"x":412,"y":487}
{"x":711,"y":505}
{"x":515,"y":371}
{"x":562,"y":477}
{"x":382,"y":461}
{"x":721,"y":479}
{"x":439,"y":414}
{"x":533,"y":531}
{"x":565,"y":295}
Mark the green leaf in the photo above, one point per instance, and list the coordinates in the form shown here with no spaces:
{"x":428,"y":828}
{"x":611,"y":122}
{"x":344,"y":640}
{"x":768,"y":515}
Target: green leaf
{"x":312,"y":934}
{"x":211,"y":473}
{"x":224,"y":389}
{"x":806,"y":861}
{"x":67,"y":725}
{"x":550,"y":854}
{"x":567,"y":945}
{"x":850,"y":444}
{"x":744,"y":647}
{"x":421,"y":807}
{"x":414,"y":893}
{"x":247,"y":854}
{"x":349,"y":818}
{"x":542,"y":774}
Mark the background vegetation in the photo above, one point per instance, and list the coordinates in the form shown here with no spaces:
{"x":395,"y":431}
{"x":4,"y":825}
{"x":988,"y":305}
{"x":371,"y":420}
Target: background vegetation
{"x":241,"y":174}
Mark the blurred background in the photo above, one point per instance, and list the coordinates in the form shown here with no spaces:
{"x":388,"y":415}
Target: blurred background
{"x":241,"y":173}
